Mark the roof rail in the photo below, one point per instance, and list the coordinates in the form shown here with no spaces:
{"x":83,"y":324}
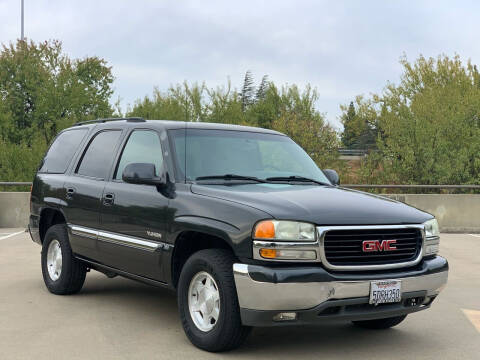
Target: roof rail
{"x":129,"y":119}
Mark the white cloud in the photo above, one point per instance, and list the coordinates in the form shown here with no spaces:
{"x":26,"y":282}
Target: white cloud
{"x":341,"y":48}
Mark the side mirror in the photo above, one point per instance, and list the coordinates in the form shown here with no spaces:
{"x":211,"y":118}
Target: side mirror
{"x":142,"y":173}
{"x":332,"y":176}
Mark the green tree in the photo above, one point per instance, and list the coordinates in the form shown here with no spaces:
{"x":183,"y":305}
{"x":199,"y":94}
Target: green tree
{"x":182,"y":102}
{"x":43,"y":90}
{"x":262,"y":89}
{"x":299,"y":119}
{"x":348,"y":121}
{"x":18,"y":162}
{"x":429,"y":125}
{"x":248,"y":91}
{"x":359,"y":121}
{"x":287,"y":109}
{"x":224,"y":106}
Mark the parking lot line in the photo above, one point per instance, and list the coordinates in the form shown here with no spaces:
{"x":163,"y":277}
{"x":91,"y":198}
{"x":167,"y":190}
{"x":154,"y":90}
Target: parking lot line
{"x":10,"y":235}
{"x":474,"y":235}
{"x":474,"y":317}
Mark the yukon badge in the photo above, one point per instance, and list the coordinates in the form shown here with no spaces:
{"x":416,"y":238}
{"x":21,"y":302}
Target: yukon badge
{"x":154,"y":234}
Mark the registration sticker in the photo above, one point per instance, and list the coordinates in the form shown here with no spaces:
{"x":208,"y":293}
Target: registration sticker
{"x":385,"y":291}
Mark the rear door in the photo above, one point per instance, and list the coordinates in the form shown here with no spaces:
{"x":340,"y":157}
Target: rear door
{"x":84,"y":189}
{"x":133,"y":216}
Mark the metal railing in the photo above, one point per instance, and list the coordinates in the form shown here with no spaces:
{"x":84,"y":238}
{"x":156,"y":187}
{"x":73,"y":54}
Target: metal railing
{"x":13,"y":183}
{"x":352,"y":152}
{"x":441,"y":187}
{"x":352,"y":186}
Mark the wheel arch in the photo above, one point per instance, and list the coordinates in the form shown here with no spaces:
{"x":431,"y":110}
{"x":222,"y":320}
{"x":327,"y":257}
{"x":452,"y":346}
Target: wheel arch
{"x":189,"y":242}
{"x":48,"y":217}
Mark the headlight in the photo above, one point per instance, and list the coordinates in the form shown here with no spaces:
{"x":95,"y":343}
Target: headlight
{"x":431,"y":228}
{"x":284,"y":230}
{"x":432,"y":237}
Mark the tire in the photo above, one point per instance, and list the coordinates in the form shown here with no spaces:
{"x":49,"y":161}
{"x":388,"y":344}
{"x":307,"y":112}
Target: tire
{"x":71,"y":275}
{"x":380,"y":324}
{"x":227,"y":332}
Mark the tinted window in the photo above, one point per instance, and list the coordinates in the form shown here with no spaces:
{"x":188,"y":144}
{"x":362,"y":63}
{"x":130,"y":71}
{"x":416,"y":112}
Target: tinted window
{"x":143,"y":146}
{"x":62,"y":150}
{"x":98,"y":157}
{"x":219,"y":152}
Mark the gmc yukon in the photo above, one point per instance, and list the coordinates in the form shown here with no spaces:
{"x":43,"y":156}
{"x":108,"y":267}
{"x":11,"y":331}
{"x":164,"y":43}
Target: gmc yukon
{"x":239,"y":221}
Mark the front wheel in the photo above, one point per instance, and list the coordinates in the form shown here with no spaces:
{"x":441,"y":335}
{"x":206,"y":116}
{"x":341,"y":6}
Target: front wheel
{"x":207,"y":301}
{"x":380,"y":323}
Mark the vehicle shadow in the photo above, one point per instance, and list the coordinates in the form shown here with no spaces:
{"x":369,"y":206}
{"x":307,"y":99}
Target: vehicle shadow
{"x":339,"y":340}
{"x":157,"y":307}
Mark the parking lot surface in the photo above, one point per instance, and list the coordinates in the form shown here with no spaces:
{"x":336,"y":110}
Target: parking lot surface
{"x":121,"y":319}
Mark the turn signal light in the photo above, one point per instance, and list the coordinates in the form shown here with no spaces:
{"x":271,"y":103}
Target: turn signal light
{"x":265,"y":230}
{"x":268,"y":253}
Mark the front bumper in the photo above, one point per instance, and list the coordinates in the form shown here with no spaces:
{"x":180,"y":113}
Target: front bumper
{"x":317,"y":295}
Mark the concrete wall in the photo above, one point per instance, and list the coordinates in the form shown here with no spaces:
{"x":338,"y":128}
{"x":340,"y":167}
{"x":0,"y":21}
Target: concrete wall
{"x":455,"y":213}
{"x":14,"y":209}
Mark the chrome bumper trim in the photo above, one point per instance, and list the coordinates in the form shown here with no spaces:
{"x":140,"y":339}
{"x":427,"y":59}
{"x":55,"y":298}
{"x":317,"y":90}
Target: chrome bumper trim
{"x":258,"y":295}
{"x":83,"y":231}
{"x":127,"y":241}
{"x":118,"y":239}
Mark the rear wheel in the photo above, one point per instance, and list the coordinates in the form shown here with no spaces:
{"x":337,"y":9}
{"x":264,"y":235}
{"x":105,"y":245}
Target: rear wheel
{"x":62,"y":273}
{"x":208,"y":303}
{"x":380,"y":323}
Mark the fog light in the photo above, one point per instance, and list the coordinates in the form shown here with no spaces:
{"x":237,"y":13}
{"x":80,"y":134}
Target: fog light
{"x":285,"y":316}
{"x":282,"y":254}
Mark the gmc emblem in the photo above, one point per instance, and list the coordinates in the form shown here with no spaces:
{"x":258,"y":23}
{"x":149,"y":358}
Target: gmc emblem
{"x":377,"y":245}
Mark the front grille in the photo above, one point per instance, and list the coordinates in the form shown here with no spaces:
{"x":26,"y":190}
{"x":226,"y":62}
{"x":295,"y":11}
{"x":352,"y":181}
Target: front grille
{"x":344,"y":247}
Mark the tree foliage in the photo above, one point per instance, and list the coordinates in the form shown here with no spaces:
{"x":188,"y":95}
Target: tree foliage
{"x":286,"y":109}
{"x":359,"y":125}
{"x":262,"y":89}
{"x":428,"y":125}
{"x":248,"y":91}
{"x":41,"y":92}
{"x":298,"y":118}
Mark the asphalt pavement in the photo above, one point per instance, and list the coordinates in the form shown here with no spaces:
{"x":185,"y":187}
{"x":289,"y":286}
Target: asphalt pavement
{"x":122,"y":319}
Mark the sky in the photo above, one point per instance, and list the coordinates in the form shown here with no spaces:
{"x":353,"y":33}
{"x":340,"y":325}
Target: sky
{"x":342,"y":48}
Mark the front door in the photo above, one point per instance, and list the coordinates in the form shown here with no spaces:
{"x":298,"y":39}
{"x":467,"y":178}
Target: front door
{"x":133,"y":216}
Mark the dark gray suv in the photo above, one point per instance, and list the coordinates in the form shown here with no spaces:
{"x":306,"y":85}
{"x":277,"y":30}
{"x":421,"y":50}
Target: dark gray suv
{"x":239,"y":221}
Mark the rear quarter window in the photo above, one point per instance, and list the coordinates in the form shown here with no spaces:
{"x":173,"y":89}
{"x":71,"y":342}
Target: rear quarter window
{"x":98,"y":156}
{"x":62,"y":151}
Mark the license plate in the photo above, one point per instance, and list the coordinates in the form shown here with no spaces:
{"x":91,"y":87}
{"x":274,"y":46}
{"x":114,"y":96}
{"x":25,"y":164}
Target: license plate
{"x":386,"y":291}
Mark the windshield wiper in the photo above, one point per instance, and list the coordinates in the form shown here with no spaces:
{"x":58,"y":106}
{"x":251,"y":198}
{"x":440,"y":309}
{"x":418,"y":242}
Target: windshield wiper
{"x":230,"y":177}
{"x":297,"y":178}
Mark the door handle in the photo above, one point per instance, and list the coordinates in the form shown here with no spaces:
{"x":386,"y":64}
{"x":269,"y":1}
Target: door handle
{"x":70,"y":192}
{"x":108,"y":199}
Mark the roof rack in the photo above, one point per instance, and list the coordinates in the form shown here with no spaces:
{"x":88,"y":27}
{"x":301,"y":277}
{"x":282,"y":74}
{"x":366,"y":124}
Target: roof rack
{"x":129,"y":119}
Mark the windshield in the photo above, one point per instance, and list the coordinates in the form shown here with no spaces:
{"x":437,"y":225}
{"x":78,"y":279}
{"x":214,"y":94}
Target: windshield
{"x":203,"y":153}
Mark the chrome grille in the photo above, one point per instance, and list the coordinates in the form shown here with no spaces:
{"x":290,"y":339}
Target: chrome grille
{"x":343,"y":248}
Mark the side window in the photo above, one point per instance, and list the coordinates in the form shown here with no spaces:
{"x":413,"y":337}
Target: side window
{"x":143,"y":146}
{"x":97,"y":158}
{"x":62,"y":150}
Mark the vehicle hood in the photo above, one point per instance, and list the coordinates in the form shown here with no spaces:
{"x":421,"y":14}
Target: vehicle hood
{"x":321,"y":205}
